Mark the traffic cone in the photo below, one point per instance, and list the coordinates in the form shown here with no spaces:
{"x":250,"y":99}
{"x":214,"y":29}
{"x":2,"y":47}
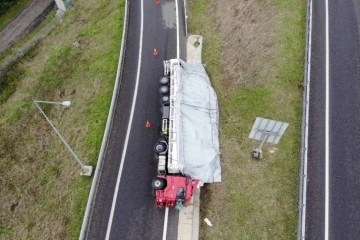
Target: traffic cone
{"x":157,"y":1}
{"x":155,"y":52}
{"x":148,"y":124}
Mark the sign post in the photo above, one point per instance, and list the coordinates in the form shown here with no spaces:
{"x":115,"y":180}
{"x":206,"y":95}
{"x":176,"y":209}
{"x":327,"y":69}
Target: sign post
{"x":266,"y":130}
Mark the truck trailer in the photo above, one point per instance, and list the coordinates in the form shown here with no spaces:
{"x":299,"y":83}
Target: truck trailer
{"x":188,"y":149}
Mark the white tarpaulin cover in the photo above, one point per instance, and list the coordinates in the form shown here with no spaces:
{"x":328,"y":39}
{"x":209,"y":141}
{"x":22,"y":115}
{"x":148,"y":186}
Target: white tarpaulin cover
{"x":197,"y":121}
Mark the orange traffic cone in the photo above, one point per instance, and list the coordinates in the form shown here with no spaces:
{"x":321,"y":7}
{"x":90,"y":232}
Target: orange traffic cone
{"x":155,"y":52}
{"x":157,"y":1}
{"x":148,"y":124}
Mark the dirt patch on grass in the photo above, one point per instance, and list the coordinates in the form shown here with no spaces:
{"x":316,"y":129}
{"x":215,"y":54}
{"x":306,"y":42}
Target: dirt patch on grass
{"x":248,"y":28}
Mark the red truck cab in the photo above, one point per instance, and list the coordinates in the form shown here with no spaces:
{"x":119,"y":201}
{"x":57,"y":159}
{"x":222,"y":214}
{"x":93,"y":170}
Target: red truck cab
{"x":174,"y":191}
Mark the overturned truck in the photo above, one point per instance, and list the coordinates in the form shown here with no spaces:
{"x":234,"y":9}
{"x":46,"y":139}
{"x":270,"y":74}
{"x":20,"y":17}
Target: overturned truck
{"x":188,"y":151}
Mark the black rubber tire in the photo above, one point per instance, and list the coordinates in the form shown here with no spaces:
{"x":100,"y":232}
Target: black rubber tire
{"x":157,"y":184}
{"x":164,"y":80}
{"x":165,"y":100}
{"x":164,"y":89}
{"x":160,"y":147}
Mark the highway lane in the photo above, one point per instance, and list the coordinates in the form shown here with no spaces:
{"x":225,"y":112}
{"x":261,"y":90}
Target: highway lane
{"x":344,"y":211}
{"x":315,"y":207}
{"x":103,"y":199}
{"x":134,"y":213}
{"x":343,"y":215}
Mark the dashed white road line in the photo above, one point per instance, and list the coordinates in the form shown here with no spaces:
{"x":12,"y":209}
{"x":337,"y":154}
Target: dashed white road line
{"x":129,"y":127}
{"x":166,"y":217}
{"x":165,"y":223}
{"x":327,"y":120}
{"x":177,"y":30}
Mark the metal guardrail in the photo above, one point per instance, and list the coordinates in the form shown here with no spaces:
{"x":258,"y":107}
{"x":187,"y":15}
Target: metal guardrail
{"x":99,"y":166}
{"x":305,"y":128}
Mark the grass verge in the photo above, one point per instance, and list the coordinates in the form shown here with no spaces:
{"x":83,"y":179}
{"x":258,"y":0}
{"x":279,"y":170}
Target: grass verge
{"x":42,"y":194}
{"x":254,"y":52}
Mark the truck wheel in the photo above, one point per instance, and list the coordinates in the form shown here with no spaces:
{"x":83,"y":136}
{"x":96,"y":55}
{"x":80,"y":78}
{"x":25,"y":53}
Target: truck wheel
{"x":164,"y":80}
{"x":160,"y":147}
{"x":164,"y":89}
{"x":165,"y":100}
{"x":157,"y":184}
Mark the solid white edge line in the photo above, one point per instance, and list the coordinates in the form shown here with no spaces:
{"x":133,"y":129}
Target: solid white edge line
{"x":165,"y":223}
{"x":177,"y":30}
{"x":128,"y":129}
{"x":327,"y":123}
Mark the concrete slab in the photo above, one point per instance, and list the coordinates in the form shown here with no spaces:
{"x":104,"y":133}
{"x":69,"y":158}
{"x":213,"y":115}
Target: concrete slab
{"x":188,"y":226}
{"x":194,"y":48}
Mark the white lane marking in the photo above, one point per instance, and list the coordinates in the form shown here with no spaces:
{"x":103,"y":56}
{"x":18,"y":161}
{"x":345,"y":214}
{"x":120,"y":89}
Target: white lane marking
{"x":177,"y":56}
{"x":129,"y":127}
{"x":165,"y":223}
{"x":177,"y":30}
{"x":327,"y":123}
{"x":186,"y":17}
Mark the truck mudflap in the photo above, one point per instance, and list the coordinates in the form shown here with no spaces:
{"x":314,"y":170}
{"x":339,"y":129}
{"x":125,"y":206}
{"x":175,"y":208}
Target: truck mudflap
{"x":177,"y":191}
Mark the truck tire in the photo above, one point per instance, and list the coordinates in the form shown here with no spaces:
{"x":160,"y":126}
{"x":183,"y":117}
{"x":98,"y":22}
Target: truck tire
{"x":164,"y":80}
{"x":160,"y":147}
{"x":158,"y":184}
{"x":164,"y":89}
{"x":165,"y":100}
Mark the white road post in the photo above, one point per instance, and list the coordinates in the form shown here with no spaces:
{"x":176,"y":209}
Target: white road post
{"x":85,"y":170}
{"x":61,"y":5}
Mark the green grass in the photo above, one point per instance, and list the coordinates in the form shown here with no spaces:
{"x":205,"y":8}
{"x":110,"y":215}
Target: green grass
{"x":13,"y":12}
{"x":256,"y":199}
{"x":77,"y":62}
{"x":9,"y":82}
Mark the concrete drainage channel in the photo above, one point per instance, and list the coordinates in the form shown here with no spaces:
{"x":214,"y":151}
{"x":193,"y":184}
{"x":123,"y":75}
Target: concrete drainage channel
{"x":28,"y":20}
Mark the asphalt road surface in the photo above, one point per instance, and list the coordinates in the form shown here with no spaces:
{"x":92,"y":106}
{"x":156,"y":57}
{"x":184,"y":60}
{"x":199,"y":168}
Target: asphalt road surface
{"x":128,"y":211}
{"x":333,"y":209}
